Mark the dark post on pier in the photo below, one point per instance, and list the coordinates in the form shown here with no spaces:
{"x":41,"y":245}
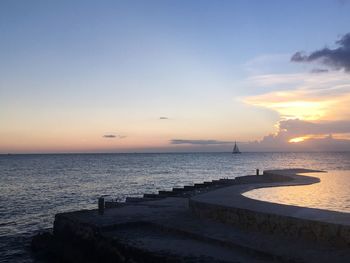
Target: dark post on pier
{"x":101,"y":205}
{"x":257,"y":171}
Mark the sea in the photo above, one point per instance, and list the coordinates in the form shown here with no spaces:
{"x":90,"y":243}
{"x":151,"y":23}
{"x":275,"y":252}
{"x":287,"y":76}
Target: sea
{"x":331,"y":193}
{"x":33,"y":188}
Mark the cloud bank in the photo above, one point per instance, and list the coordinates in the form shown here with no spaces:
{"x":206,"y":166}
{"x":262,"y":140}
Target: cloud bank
{"x":300,"y":127}
{"x":292,"y":135}
{"x":299,"y":135}
{"x":200,"y":142}
{"x":338,"y":58}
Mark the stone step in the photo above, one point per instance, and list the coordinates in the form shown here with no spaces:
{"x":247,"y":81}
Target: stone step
{"x":180,"y":189}
{"x":199,"y":185}
{"x":278,"y":248}
{"x":167,"y":193}
{"x":151,"y":196}
{"x":213,"y":240}
{"x":226,"y":181}
{"x":149,"y":240}
{"x":113,"y":204}
{"x":137,"y":199}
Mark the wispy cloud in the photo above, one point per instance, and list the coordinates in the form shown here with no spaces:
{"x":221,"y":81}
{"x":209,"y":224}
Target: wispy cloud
{"x":113,"y":136}
{"x":200,"y":142}
{"x":266,"y":63}
{"x":304,"y":95}
{"x":338,"y":58}
{"x":163,"y":118}
{"x":109,"y":136}
{"x":319,"y":70}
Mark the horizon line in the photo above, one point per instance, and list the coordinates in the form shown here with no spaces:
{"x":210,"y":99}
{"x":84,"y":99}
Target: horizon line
{"x":68,"y":153}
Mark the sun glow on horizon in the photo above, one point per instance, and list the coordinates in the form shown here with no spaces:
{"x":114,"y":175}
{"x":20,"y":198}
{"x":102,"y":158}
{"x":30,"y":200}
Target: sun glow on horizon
{"x":298,"y":139}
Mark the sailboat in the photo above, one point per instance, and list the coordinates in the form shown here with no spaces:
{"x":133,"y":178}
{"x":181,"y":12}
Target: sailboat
{"x":235,"y":149}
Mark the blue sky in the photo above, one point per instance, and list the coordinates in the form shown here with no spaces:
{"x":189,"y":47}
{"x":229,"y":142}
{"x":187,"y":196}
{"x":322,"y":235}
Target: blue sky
{"x":73,"y":71}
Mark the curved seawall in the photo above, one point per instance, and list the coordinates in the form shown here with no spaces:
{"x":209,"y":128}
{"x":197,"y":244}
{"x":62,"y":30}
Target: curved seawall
{"x":229,"y":206}
{"x":173,"y":226}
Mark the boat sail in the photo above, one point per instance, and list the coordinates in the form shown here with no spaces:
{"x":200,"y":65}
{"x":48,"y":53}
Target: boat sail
{"x":235,"y":149}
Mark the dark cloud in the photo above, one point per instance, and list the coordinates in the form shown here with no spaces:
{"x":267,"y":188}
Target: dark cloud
{"x":319,"y":70}
{"x":113,"y":136}
{"x":200,"y":142}
{"x":338,"y":58}
{"x":299,"y":127}
{"x":163,"y":118}
{"x":109,"y":136}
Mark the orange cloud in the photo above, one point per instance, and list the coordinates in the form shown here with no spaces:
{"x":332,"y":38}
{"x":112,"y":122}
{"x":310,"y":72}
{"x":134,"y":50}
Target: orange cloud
{"x":305,"y":96}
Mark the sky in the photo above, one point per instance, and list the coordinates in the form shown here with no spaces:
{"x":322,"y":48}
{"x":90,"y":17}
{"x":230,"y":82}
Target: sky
{"x":174,"y":76}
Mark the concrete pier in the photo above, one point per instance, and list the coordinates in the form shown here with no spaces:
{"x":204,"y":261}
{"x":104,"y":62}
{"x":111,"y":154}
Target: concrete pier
{"x":101,"y":206}
{"x":208,"y":222}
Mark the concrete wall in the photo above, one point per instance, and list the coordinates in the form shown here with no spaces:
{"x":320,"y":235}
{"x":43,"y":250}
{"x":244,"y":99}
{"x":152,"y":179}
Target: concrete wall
{"x":322,"y":232}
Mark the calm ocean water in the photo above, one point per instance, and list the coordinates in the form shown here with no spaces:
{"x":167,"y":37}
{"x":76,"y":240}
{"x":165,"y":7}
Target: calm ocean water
{"x":33,"y":188}
{"x":332,"y":193}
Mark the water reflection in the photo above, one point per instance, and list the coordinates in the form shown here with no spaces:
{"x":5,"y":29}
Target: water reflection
{"x":332,"y":193}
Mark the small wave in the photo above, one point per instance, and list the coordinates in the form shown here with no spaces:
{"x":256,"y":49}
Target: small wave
{"x":161,"y":172}
{"x":11,"y":223}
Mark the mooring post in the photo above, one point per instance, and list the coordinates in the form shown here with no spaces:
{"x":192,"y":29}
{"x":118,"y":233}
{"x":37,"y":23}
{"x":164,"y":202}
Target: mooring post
{"x":257,"y":171}
{"x":101,"y":206}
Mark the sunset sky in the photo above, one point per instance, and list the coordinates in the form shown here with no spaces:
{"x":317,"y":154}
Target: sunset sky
{"x":164,"y":76}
